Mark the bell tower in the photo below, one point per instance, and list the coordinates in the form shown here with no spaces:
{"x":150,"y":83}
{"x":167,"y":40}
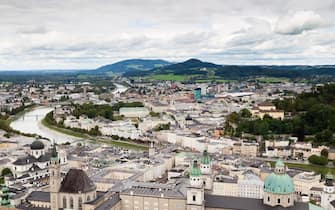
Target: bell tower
{"x":195,"y":191}
{"x":206,"y":170}
{"x":55,"y":179}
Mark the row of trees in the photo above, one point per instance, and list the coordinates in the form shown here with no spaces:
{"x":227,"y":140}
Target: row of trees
{"x":313,"y":115}
{"x":106,"y":111}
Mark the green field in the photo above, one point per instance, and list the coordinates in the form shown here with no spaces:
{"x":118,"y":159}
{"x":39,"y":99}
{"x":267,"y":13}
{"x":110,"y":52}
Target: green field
{"x":323,"y":170}
{"x":172,"y":77}
{"x":272,"y":79}
{"x":215,"y":80}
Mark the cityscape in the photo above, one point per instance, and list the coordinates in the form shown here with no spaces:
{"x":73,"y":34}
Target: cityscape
{"x":167,"y":105}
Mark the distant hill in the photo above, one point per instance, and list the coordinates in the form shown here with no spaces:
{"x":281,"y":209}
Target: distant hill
{"x":133,"y":65}
{"x":188,"y":67}
{"x":200,"y":70}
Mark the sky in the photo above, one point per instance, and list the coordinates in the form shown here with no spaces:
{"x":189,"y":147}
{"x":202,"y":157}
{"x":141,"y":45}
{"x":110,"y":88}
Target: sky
{"x":85,"y":34}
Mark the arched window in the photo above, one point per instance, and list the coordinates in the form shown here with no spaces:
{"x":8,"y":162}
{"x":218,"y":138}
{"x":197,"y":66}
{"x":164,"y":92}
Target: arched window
{"x":278,"y":201}
{"x":288,"y":200}
{"x":71,"y":203}
{"x":269,"y":199}
{"x":64,"y":202}
{"x":194,"y":198}
{"x":88,"y":198}
{"x":80,"y":203}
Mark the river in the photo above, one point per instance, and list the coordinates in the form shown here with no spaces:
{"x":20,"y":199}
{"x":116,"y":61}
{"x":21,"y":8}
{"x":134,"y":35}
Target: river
{"x":30,"y":122}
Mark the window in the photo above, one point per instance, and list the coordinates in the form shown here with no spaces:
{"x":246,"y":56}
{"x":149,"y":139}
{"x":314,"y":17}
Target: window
{"x":194,"y":198}
{"x":80,"y":203}
{"x":71,"y":203}
{"x":88,"y":198}
{"x":288,"y":200}
{"x":278,"y":201}
{"x":64,"y":202}
{"x":268,"y":199}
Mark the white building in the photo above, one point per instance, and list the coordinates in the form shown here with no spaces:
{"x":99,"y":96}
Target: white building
{"x":133,"y":111}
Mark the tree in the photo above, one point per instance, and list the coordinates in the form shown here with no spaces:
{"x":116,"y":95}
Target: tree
{"x":318,"y":160}
{"x":324,"y":153}
{"x":245,"y":113}
{"x":6,"y":171}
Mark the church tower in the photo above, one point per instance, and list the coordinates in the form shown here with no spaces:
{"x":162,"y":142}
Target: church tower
{"x":195,"y":191}
{"x":55,"y":179}
{"x":206,"y":170}
{"x":328,"y":194}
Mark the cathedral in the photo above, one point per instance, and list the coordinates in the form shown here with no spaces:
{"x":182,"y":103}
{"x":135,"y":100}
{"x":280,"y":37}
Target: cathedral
{"x":76,"y":191}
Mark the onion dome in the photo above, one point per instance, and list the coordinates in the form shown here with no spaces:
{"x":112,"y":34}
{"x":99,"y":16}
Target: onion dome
{"x":279,"y":182}
{"x":37,"y":145}
{"x":205,"y":160}
{"x":195,"y":170}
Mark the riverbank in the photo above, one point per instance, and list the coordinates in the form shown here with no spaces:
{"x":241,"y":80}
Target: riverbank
{"x":94,"y":139}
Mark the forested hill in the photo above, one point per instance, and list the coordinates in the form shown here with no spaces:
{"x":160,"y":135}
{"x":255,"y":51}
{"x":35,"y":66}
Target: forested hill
{"x":206,"y":70}
{"x":133,"y":65}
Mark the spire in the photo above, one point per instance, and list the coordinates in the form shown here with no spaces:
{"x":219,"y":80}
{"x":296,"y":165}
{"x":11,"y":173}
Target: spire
{"x":206,"y":159}
{"x":54,"y":153}
{"x":195,"y":171}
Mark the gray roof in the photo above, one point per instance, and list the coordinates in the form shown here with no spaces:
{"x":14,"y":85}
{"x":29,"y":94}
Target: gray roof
{"x":39,"y":196}
{"x":111,"y":202}
{"x":155,"y":190}
{"x":227,"y":202}
{"x":31,"y":159}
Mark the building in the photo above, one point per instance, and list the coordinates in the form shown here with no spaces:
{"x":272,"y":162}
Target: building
{"x":305,"y":181}
{"x":133,"y":111}
{"x":76,"y":191}
{"x":267,"y":108}
{"x":197,"y":94}
{"x":279,"y":188}
{"x":35,"y":165}
{"x":328,"y":193}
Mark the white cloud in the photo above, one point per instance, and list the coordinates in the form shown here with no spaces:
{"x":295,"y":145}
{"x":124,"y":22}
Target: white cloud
{"x":298,"y":22}
{"x":86,"y":34}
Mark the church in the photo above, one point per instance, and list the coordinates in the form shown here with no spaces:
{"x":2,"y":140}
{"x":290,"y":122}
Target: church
{"x":76,"y":191}
{"x":35,"y":165}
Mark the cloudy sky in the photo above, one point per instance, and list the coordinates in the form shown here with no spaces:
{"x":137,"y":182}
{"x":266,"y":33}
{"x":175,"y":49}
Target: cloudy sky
{"x":71,"y":34}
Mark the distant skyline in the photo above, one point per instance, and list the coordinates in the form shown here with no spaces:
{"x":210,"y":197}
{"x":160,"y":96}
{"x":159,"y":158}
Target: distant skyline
{"x":85,"y":34}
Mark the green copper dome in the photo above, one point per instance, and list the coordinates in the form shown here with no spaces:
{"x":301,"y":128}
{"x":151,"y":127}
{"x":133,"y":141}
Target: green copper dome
{"x":195,"y":170}
{"x":279,"y":182}
{"x":206,"y":160}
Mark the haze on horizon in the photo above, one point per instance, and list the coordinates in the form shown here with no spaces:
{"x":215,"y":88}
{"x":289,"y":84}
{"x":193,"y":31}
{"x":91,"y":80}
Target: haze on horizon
{"x":86,"y":34}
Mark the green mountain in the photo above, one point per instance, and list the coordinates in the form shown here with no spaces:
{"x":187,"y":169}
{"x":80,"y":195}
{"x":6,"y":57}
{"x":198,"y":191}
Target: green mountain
{"x":194,"y":69}
{"x":133,"y":65}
